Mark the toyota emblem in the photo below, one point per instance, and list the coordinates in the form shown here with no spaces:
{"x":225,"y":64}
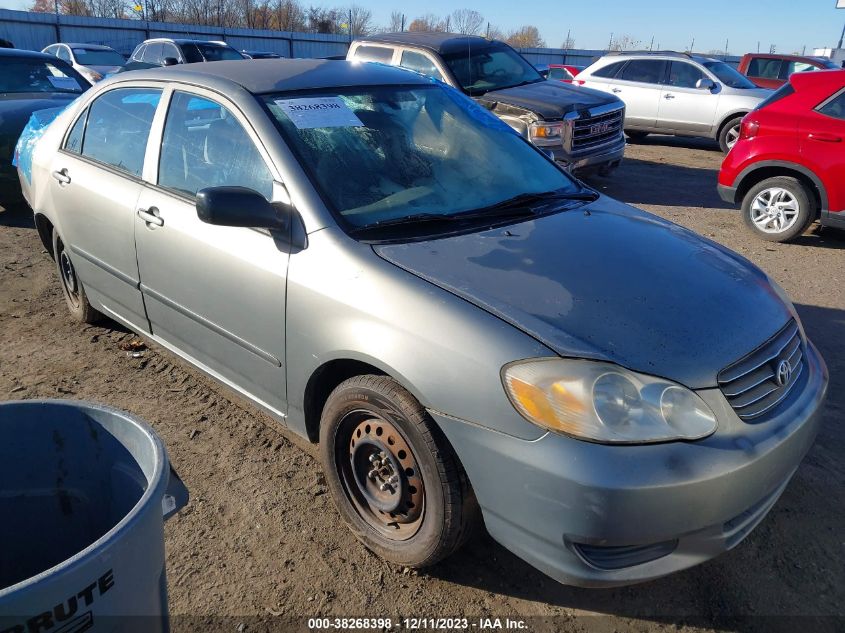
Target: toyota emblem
{"x":784,"y":373}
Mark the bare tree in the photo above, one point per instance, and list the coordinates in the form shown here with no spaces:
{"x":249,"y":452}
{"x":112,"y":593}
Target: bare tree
{"x":526,"y":37}
{"x":466,"y":21}
{"x":568,"y":43}
{"x":428,"y":23}
{"x":360,"y":21}
{"x":396,"y":23}
{"x":624,"y":43}
{"x":494,"y":32}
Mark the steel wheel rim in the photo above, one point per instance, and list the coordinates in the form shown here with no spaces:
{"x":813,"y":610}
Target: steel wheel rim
{"x":733,"y":135}
{"x":371,"y":452}
{"x":774,"y":210}
{"x":69,"y":280}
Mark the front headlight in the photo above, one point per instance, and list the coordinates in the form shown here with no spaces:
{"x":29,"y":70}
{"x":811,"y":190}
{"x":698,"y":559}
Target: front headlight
{"x":91,"y":75}
{"x":603,"y":402}
{"x":544,"y":134}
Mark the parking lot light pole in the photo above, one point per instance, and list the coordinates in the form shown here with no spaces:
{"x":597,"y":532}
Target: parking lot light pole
{"x":840,"y":4}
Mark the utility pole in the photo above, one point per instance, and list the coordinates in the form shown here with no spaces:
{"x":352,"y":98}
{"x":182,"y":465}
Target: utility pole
{"x":350,"y":25}
{"x":403,"y":23}
{"x":758,"y":46}
{"x":651,"y":46}
{"x":59,"y":29}
{"x":610,"y":43}
{"x":692,"y":45}
{"x":568,"y":32}
{"x":841,"y":37}
{"x":488,"y":31}
{"x":726,"y":49}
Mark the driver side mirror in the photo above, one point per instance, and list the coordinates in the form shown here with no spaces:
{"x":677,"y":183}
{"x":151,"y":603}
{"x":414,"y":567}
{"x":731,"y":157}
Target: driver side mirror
{"x":239,"y":206}
{"x":170,"y":61}
{"x":705,"y":84}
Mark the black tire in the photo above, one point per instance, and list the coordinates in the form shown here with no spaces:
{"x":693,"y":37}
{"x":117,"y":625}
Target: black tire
{"x":796,"y":196}
{"x":636,"y":135}
{"x":729,"y":134}
{"x":72,"y":289}
{"x":367,"y":418}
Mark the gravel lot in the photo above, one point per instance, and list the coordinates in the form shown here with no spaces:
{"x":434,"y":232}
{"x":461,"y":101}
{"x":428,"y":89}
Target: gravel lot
{"x":261,"y":542}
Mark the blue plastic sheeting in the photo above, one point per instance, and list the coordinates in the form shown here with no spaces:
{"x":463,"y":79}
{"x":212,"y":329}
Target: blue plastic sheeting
{"x":32,"y":133}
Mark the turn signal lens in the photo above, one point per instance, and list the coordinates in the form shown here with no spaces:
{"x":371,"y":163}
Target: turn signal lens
{"x":602,"y":402}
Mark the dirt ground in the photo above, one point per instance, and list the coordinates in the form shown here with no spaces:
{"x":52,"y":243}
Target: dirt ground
{"x":261,"y":543}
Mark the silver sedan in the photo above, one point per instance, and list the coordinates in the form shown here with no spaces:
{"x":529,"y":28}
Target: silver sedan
{"x":467,"y":331}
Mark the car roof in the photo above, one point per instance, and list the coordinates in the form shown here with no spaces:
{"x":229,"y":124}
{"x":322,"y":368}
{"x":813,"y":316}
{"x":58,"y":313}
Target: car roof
{"x":832,"y":77}
{"x":183,"y":40}
{"x":22,"y":54}
{"x":260,"y":76}
{"x":93,"y":47}
{"x":442,"y":43}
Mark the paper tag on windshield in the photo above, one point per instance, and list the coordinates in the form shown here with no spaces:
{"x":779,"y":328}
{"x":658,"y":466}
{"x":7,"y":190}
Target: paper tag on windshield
{"x":319,"y":112}
{"x":64,"y":83}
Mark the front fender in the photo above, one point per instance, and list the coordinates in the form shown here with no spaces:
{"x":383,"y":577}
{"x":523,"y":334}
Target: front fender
{"x":345,"y":302}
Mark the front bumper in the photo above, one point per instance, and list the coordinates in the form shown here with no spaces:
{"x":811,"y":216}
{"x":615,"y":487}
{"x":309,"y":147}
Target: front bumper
{"x":606,"y":157}
{"x":587,"y":514}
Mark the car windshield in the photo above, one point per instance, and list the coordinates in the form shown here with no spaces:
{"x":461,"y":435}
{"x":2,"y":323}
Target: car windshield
{"x":36,"y":75}
{"x":385,"y":153}
{"x":98,"y":57}
{"x":210,"y":52}
{"x":728,"y":75}
{"x":494,"y":67}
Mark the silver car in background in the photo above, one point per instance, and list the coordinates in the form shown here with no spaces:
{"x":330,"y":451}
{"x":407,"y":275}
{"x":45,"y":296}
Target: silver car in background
{"x":92,"y":61}
{"x":468,"y":332}
{"x":676,"y":93}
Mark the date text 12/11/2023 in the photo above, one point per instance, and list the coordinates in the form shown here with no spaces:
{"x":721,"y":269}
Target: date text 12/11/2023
{"x":417,"y":624}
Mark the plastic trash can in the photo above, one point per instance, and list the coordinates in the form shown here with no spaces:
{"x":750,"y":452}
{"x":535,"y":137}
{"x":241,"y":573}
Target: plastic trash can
{"x":84,"y":492}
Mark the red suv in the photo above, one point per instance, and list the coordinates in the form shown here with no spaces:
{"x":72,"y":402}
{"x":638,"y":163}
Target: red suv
{"x":773,"y":70}
{"x":788,"y":167}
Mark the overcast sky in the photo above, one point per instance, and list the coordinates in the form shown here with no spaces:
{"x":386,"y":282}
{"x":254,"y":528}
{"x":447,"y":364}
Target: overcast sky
{"x":788,"y":24}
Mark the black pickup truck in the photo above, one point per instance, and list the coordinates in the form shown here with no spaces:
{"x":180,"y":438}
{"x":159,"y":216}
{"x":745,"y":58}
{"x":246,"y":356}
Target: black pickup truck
{"x":580,"y":127}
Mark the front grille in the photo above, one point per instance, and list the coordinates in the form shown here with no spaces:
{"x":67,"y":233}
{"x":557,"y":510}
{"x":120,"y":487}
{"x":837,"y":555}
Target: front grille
{"x":595,"y":131}
{"x":758,"y":382}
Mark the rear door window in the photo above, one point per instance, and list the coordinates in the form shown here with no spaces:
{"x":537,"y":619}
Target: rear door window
{"x":118,"y":127}
{"x":63,"y":53}
{"x":169,"y":50}
{"x":420,"y":63}
{"x":381,"y":54}
{"x":646,"y":71}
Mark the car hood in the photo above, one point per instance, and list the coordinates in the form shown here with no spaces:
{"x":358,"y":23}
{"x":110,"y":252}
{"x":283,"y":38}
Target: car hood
{"x":103,"y":70}
{"x":15,"y":110}
{"x":549,"y":99}
{"x":613,"y":283}
{"x":751,"y":93}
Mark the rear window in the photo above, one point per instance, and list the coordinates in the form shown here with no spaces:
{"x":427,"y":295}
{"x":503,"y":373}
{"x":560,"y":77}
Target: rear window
{"x":784,"y":91}
{"x":834,"y":107}
{"x":609,"y":71}
{"x":374,"y":54}
{"x":764,"y":68}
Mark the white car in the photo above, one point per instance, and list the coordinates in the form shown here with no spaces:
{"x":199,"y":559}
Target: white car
{"x":92,"y":61}
{"x":676,"y":93}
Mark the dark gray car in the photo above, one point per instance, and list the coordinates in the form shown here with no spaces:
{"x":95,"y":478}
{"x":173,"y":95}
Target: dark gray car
{"x":581,"y":128}
{"x":388,"y":269}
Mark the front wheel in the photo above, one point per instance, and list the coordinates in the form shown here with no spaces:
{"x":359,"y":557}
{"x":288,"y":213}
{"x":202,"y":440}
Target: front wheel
{"x":778,"y":209}
{"x":393,"y":476}
{"x":729,"y":134}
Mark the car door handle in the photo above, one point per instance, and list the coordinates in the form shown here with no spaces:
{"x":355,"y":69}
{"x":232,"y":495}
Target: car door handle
{"x":62,"y":177}
{"x":827,"y":138}
{"x":668,"y":96}
{"x":616,"y":90}
{"x":150,"y":216}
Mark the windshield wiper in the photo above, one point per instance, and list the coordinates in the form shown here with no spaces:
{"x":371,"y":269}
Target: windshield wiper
{"x":423,"y":218}
{"x":526,"y":200}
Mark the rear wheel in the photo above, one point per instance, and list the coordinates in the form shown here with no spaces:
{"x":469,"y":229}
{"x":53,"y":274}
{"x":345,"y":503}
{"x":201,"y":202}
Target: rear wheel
{"x":72,"y":289}
{"x":729,"y":134}
{"x":393,"y":476}
{"x":778,"y":209}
